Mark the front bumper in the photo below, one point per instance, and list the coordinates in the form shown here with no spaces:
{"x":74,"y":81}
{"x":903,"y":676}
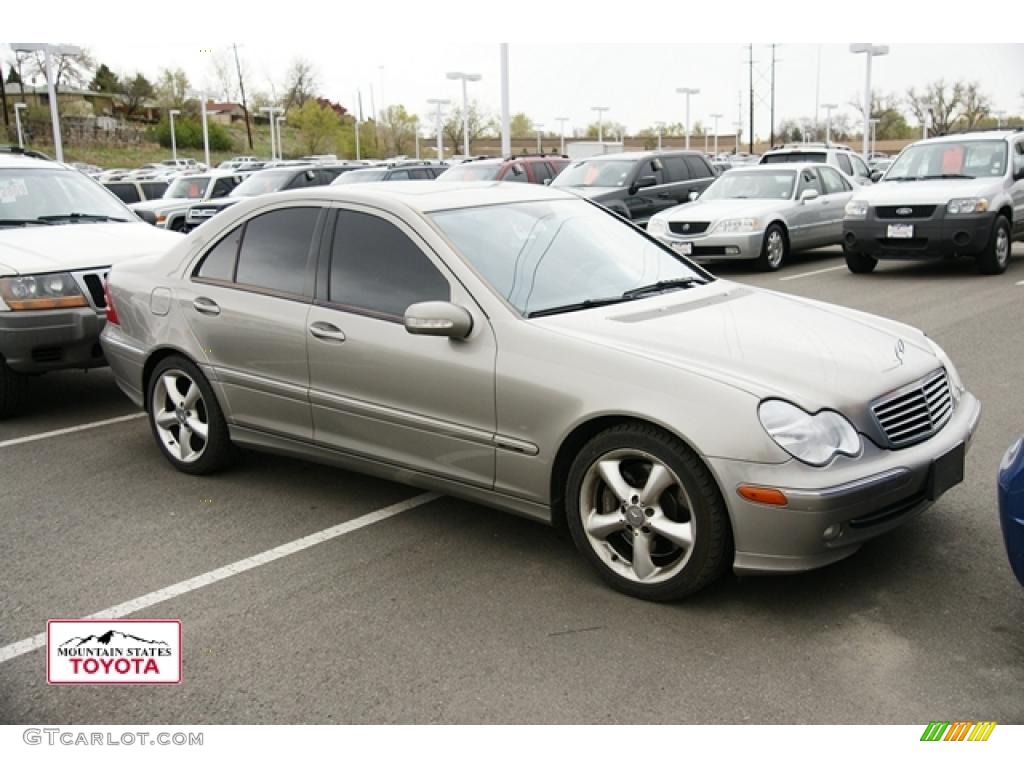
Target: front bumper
{"x":1011,"y":506}
{"x":859,"y":498}
{"x":938,"y":236}
{"x":49,"y":340}
{"x":716,"y":247}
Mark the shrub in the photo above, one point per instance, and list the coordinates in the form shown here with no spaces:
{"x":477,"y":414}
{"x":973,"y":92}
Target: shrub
{"x":189,"y":134}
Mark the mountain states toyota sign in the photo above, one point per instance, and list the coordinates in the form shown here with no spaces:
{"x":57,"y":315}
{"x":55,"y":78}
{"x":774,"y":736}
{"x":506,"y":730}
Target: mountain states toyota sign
{"x":121,"y":652}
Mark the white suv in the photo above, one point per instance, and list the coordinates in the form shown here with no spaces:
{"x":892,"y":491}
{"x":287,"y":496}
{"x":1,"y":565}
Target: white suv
{"x":839,"y":156}
{"x":60,"y":232}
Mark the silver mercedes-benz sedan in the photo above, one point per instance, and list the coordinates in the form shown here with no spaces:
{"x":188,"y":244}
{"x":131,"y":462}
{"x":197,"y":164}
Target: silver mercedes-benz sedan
{"x":759,"y":212}
{"x":524,"y":348}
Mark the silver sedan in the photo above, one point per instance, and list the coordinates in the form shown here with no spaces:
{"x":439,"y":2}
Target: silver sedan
{"x":526,"y":349}
{"x":761,"y":213}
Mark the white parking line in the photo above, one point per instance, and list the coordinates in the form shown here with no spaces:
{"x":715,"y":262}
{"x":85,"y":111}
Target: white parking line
{"x":815,"y":272}
{"x":30,"y":644}
{"x":1020,"y":283}
{"x":69,"y":430}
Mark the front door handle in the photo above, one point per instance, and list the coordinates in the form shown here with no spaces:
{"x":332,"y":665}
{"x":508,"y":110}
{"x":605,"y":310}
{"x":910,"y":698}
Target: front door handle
{"x":665,"y":196}
{"x":206,"y":306}
{"x":327,"y":332}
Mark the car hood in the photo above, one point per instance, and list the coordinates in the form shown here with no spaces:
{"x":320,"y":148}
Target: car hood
{"x":935,"y":191}
{"x":768,"y":344}
{"x":28,"y":250}
{"x":163,"y":204}
{"x":713,"y":210}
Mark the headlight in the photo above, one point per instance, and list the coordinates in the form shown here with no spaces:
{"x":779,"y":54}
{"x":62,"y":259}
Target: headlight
{"x":812,"y":438}
{"x":56,"y":291}
{"x":967,"y":205}
{"x":657,"y":227}
{"x":737,"y":225}
{"x":856,"y":209}
{"x":955,"y":383}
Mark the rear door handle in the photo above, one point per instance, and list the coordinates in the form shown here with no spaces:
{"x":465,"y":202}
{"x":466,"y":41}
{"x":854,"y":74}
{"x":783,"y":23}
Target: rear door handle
{"x":206,"y":306}
{"x":327,"y":332}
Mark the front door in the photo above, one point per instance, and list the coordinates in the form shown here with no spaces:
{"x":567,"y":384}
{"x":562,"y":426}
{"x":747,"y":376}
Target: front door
{"x":420,"y":402}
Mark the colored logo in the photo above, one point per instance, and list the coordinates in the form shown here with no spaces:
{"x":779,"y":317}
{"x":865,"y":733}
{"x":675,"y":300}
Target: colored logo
{"x":958,"y":730}
{"x":904,"y":211}
{"x":113,"y":652}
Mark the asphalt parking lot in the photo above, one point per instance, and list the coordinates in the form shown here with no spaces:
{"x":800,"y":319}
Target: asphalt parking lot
{"x":452,"y":613}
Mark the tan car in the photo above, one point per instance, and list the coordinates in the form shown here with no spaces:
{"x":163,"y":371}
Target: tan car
{"x":524,"y":348}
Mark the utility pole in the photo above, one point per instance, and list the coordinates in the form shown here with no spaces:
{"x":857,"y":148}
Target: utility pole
{"x":3,"y":96}
{"x":241,"y":88}
{"x":358,"y":115}
{"x":750,"y":49}
{"x":771,"y":128}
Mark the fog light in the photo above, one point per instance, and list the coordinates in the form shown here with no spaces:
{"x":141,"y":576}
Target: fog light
{"x":832,"y":532}
{"x":731,"y":250}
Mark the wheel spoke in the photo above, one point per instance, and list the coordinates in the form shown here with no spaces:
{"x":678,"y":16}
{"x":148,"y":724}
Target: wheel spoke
{"x":197,"y":427}
{"x":184,"y":443}
{"x":657,"y":483}
{"x":643,"y":566}
{"x":602,"y":526}
{"x":680,"y":534}
{"x":613,"y":479}
{"x":171,"y":387}
{"x":165,"y":419}
{"x":192,"y":396}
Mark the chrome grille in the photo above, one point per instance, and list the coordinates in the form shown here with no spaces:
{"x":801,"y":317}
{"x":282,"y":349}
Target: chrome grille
{"x":915,"y":412}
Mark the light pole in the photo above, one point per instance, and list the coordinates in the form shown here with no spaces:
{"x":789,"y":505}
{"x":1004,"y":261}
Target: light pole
{"x":539,"y":128}
{"x":506,"y":125}
{"x":438,"y":103}
{"x":17,"y":120}
{"x":271,"y":111}
{"x":465,"y":77}
{"x":659,"y":128}
{"x":926,"y":125}
{"x":600,"y":113}
{"x":871,"y":51}
{"x":561,"y":122}
{"x":51,"y":86}
{"x":739,"y":127}
{"x":688,"y":92}
{"x":280,"y":141}
{"x":174,"y":139}
{"x":874,"y":123}
{"x":206,"y":134}
{"x":828,"y":121}
{"x":715,"y":118}
{"x":999,"y":118}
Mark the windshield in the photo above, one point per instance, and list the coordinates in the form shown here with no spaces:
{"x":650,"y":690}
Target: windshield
{"x":794,"y":157}
{"x":49,"y":195}
{"x":736,"y":185}
{"x":471,"y":172}
{"x":595,"y":173}
{"x":540,"y":255}
{"x":190,"y":187}
{"x":262,"y":183}
{"x":970,"y":159}
{"x":355,"y":177}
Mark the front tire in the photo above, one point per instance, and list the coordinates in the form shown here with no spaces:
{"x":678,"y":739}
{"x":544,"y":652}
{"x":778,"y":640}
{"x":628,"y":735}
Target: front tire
{"x":996,"y":256}
{"x":13,"y":389}
{"x":774,"y":249}
{"x":646,"y":513}
{"x":859,"y":263}
{"x":186,"y":418}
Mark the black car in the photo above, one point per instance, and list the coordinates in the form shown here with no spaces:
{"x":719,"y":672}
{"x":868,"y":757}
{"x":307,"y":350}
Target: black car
{"x":638,"y":185}
{"x":393,"y":172}
{"x":263,"y":182}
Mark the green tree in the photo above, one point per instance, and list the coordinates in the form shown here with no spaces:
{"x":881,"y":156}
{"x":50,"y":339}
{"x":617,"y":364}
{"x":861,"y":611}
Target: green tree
{"x":610,"y":131}
{"x":520,"y":126}
{"x":398,"y":129}
{"x":105,"y":81}
{"x":172,"y":88}
{"x":188,"y":133}
{"x":318,"y":127}
{"x":137,"y":91}
{"x":481,"y":123}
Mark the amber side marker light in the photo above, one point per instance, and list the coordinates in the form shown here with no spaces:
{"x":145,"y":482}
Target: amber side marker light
{"x":772,"y":496}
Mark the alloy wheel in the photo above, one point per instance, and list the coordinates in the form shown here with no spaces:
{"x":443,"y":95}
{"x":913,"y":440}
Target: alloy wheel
{"x":180,"y":416}
{"x":775,"y":248}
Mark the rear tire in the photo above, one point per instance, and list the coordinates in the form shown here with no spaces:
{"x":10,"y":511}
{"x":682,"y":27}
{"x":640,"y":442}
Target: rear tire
{"x":13,"y":388}
{"x":859,"y":263}
{"x":774,"y":249}
{"x":996,"y":256}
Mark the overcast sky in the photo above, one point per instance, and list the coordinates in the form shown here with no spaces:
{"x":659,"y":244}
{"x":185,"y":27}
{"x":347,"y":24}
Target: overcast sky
{"x":406,"y":62}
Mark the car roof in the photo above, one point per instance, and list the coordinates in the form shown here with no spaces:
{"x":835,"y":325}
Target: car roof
{"x":18,"y":160}
{"x":776,"y":167}
{"x":640,"y":155}
{"x":971,"y":136}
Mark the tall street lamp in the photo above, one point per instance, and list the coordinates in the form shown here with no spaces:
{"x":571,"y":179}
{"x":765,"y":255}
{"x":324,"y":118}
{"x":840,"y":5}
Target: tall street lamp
{"x":715,"y":118}
{"x":871,"y":51}
{"x":600,"y":113}
{"x":688,"y":92}
{"x":51,"y":85}
{"x":561,"y":122}
{"x":174,"y":139}
{"x":438,"y":103}
{"x":828,"y":121}
{"x":999,"y":117}
{"x":280,"y":140}
{"x":465,"y":77}
{"x":206,"y":134}
{"x":539,"y":128}
{"x":874,"y":123}
{"x":659,"y":129}
{"x":17,"y":120}
{"x":271,"y":111}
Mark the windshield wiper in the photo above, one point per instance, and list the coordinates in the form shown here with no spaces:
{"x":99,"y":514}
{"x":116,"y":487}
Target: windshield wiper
{"x":947,"y":176}
{"x":663,"y":285}
{"x":79,"y":217}
{"x":22,"y":222}
{"x":575,"y":307}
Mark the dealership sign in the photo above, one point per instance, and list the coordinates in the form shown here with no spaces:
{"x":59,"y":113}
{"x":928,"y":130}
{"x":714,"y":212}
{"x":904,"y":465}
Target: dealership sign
{"x":122,"y":652}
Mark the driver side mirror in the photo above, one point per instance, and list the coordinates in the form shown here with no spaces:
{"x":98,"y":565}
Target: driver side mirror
{"x":808,"y":194}
{"x":438,"y":318}
{"x":693,"y":196}
{"x":310,"y":175}
{"x":642,"y":183}
{"x":876,"y":176}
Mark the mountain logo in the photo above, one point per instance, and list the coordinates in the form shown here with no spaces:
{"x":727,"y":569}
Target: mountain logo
{"x":120,"y":652}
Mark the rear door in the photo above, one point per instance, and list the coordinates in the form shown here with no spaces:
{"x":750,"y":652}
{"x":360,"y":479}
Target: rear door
{"x":807,"y":220}
{"x":837,"y":194}
{"x":1017,"y":187}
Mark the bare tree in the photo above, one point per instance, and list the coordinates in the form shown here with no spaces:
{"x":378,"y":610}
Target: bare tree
{"x":300,"y":83}
{"x":222,"y":66}
{"x":172,"y":88}
{"x":939,"y":102}
{"x":69,"y":69}
{"x":480,"y":124}
{"x":976,"y":106}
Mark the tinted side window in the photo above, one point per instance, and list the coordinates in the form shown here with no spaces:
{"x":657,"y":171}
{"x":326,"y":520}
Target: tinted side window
{"x":859,"y":167}
{"x":651,"y":167}
{"x":420,"y":173}
{"x":844,"y":163}
{"x":834,"y":183}
{"x":542,"y":171}
{"x":223,"y":186}
{"x":154,"y":189}
{"x":302,"y":180}
{"x":676,"y":169}
{"x":219,"y":262}
{"x":275,"y":250}
{"x":399,"y":176}
{"x":698,"y":168}
{"x":127,"y":192}
{"x":515,"y":172}
{"x":375,"y":267}
{"x":808,"y":180}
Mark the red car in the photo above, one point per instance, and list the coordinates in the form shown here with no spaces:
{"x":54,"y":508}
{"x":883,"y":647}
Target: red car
{"x":534,"y":169}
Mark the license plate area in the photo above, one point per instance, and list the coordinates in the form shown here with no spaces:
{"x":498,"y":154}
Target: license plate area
{"x":686,"y":249}
{"x":900,"y":231}
{"x":946,"y":471}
